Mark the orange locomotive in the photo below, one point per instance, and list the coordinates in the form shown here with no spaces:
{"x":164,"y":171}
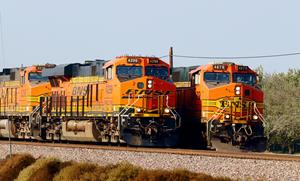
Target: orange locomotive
{"x":225,"y":101}
{"x":132,"y":101}
{"x":20,"y":90}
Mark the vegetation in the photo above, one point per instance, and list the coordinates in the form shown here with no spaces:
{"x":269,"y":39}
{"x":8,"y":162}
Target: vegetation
{"x":42,"y":169}
{"x":25,"y":168}
{"x":175,"y":175}
{"x":11,"y":167}
{"x":282,"y":107}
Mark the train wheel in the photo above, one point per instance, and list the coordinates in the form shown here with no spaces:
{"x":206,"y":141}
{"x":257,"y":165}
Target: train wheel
{"x":218,"y":145}
{"x":260,"y":144}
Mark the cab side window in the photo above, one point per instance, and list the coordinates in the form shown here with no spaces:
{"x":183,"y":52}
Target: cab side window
{"x":23,"y":79}
{"x":109,"y":74}
{"x":197,"y":79}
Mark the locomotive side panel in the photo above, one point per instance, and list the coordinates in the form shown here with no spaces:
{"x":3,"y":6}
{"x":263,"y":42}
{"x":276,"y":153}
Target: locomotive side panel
{"x":134,"y":102}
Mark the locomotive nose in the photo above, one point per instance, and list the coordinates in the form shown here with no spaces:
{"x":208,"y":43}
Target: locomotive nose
{"x":160,"y":94}
{"x":242,"y":90}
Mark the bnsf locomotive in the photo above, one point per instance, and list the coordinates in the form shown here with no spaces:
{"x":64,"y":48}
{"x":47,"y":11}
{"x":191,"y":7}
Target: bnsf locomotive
{"x":130,"y":99}
{"x":222,"y":101}
{"x":133,"y":100}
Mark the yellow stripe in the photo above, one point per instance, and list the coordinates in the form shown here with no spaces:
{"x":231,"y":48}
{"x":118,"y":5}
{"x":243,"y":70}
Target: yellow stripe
{"x":209,"y":103}
{"x":10,"y":84}
{"x":90,"y":79}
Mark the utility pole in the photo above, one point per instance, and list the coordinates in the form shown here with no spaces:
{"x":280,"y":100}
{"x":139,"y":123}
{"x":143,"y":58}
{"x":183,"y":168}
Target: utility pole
{"x":2,"y":41}
{"x":171,"y":60}
{"x":9,"y":129}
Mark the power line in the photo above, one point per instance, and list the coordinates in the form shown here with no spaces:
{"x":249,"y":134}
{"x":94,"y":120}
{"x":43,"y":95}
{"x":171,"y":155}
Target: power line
{"x":235,"y":57}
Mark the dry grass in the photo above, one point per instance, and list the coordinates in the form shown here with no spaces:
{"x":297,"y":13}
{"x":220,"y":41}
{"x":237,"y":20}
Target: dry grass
{"x":123,"y":172}
{"x":48,"y":169}
{"x":175,"y":175}
{"x":99,"y":174}
{"x":83,"y":171}
{"x":11,"y":167}
{"x":91,"y":172}
{"x":43,"y":169}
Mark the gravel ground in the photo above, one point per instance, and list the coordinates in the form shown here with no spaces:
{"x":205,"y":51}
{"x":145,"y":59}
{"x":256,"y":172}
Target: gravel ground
{"x":244,"y":169}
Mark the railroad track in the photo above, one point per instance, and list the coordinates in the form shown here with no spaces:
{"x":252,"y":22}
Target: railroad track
{"x":225,"y":154}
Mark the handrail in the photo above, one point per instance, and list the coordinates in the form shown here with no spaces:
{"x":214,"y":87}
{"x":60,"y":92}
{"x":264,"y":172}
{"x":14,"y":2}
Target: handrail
{"x":259,"y":114}
{"x":122,"y":113}
{"x":219,"y":111}
{"x":173,"y":112}
{"x":34,"y":111}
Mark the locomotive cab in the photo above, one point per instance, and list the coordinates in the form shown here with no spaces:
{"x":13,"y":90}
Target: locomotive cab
{"x":20,"y":101}
{"x":33,"y":86}
{"x":146,"y":96}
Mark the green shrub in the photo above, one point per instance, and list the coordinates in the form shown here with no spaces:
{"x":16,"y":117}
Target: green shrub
{"x":11,"y":167}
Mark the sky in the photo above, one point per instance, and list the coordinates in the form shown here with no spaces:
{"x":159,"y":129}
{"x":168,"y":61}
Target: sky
{"x":65,"y":31}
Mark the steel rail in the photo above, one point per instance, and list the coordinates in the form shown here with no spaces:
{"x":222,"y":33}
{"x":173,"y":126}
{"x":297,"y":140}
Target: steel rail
{"x":207,"y":153}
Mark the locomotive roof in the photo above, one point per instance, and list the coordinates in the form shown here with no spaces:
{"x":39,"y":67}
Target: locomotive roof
{"x":123,"y":59}
{"x":73,"y":69}
{"x":232,"y":67}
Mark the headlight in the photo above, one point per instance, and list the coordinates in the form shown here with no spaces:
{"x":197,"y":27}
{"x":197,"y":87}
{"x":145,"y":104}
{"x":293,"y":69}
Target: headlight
{"x":255,"y":117}
{"x":237,"y":90}
{"x":167,"y":110}
{"x":149,"y":83}
{"x":227,"y":116}
{"x":138,"y":110}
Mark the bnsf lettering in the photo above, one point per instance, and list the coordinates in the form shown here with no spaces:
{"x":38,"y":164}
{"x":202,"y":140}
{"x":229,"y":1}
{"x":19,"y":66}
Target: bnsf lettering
{"x":108,"y":89}
{"x":3,"y":93}
{"x":235,"y":104}
{"x":145,"y":92}
{"x":79,"y":91}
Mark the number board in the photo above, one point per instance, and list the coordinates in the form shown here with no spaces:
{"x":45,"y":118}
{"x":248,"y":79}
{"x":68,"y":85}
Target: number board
{"x":132,"y":60}
{"x":153,"y":61}
{"x":39,"y":68}
{"x":219,"y":67}
{"x":242,"y":68}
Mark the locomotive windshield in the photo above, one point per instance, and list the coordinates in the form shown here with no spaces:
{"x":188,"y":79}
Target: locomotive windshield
{"x":125,"y":73}
{"x":216,"y":77}
{"x":159,"y":72}
{"x":35,"y":76}
{"x":244,"y":78}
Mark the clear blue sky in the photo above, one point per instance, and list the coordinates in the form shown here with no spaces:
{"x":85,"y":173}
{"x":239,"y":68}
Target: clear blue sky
{"x":61,"y":31}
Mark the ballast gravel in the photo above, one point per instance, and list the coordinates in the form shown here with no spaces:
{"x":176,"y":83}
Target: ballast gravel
{"x":244,"y":169}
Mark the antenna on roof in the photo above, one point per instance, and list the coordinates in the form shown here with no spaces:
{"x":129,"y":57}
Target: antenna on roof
{"x":171,"y":60}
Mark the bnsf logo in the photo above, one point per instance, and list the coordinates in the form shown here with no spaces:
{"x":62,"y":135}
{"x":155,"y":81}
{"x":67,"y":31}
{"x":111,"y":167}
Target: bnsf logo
{"x":79,"y":91}
{"x":236,"y":104}
{"x":3,"y":93}
{"x":145,"y":92}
